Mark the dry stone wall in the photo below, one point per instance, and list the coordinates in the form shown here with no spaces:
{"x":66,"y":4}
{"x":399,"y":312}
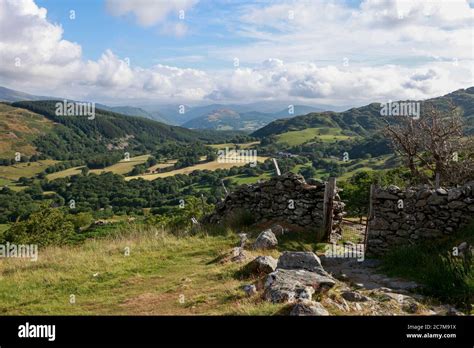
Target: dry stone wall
{"x":413,"y":215}
{"x":286,"y":198}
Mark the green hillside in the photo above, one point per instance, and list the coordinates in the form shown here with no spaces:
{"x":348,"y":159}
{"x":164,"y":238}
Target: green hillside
{"x":366,"y":120}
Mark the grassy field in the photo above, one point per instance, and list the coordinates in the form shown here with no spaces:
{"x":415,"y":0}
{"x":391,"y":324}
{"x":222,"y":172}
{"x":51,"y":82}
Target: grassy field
{"x":162,"y":275}
{"x":65,"y":173}
{"x":122,"y":167}
{"x":213,"y":165}
{"x":16,"y":171}
{"x":240,"y":180}
{"x":234,"y":145}
{"x":294,"y":138}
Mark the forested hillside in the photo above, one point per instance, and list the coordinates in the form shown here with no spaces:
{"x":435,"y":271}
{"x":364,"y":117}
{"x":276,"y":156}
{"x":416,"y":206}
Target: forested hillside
{"x":367,"y":119}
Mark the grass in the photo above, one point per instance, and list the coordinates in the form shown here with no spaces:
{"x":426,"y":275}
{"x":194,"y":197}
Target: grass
{"x":122,"y":167}
{"x":234,"y":145}
{"x":18,"y":128}
{"x":213,"y":165}
{"x":16,"y":171}
{"x":160,"y":271}
{"x":242,"y":179}
{"x":433,"y":266}
{"x":293,"y":138}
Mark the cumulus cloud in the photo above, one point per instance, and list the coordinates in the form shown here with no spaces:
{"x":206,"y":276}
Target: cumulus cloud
{"x":149,"y":13}
{"x":277,"y":80}
{"x":369,"y":57}
{"x":35,"y":56}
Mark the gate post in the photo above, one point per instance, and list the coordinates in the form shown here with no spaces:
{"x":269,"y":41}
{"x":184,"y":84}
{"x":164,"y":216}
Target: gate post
{"x":370,"y":215}
{"x":329,"y":192}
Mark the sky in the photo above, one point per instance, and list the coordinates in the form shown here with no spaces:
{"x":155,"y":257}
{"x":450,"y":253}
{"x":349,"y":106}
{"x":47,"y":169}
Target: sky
{"x":341,"y":52}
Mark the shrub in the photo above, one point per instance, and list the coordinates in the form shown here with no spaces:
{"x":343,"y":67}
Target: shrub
{"x":45,"y":227}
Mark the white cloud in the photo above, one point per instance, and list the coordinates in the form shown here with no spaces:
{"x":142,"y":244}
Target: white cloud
{"x":288,"y":59}
{"x":306,"y":82}
{"x":149,"y":12}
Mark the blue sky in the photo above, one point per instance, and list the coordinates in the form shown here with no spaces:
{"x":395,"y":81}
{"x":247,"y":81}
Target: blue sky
{"x":313,"y":52}
{"x":211,"y":24}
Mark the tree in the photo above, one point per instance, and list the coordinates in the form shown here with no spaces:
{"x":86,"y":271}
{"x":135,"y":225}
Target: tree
{"x":308,"y":172}
{"x":433,"y":144}
{"x":356,"y":192}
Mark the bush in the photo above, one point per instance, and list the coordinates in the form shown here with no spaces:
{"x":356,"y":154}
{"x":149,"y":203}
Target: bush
{"x":45,"y":227}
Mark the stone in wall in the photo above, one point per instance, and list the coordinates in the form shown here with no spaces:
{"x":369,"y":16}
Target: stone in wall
{"x":286,"y":198}
{"x":419,"y":214}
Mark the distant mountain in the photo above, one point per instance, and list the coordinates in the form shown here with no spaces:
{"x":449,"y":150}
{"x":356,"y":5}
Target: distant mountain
{"x":253,"y":115}
{"x":230,"y":119}
{"x":10,"y":95}
{"x":133,"y":111}
{"x":366,"y":120}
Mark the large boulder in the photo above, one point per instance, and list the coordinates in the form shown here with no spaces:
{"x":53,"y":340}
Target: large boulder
{"x":308,"y":308}
{"x":305,"y":260}
{"x":290,"y":285}
{"x":266,"y":240}
{"x":261,"y":265}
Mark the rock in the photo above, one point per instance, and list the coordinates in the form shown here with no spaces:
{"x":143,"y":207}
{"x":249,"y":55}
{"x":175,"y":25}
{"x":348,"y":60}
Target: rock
{"x":278,"y":230}
{"x":238,"y":255}
{"x":410,"y":307}
{"x":393,"y":189}
{"x":436,"y":199}
{"x":250,"y":290}
{"x":308,"y":308}
{"x":457,"y":205}
{"x":442,"y":191}
{"x":301,"y":260}
{"x":266,"y":240}
{"x":243,"y":239}
{"x":289,"y":285}
{"x":354,"y":296}
{"x":385,"y":195}
{"x":261,"y":265}
{"x":454,"y":194}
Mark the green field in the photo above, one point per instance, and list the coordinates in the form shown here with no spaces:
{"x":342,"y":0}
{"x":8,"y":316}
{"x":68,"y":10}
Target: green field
{"x":122,"y":167}
{"x":241,"y":180}
{"x":234,"y":145}
{"x":294,"y":138}
{"x":28,"y":170}
{"x":212,"y":165}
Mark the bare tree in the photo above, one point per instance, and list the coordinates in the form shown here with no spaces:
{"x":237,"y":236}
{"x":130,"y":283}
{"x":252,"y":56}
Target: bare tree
{"x":433,"y":143}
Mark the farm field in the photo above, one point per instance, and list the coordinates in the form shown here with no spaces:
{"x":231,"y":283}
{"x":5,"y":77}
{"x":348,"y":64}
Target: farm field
{"x":122,"y":167}
{"x":213,"y":165}
{"x":293,"y":138}
{"x":234,"y":145}
{"x":16,"y":171}
{"x":241,"y":180}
